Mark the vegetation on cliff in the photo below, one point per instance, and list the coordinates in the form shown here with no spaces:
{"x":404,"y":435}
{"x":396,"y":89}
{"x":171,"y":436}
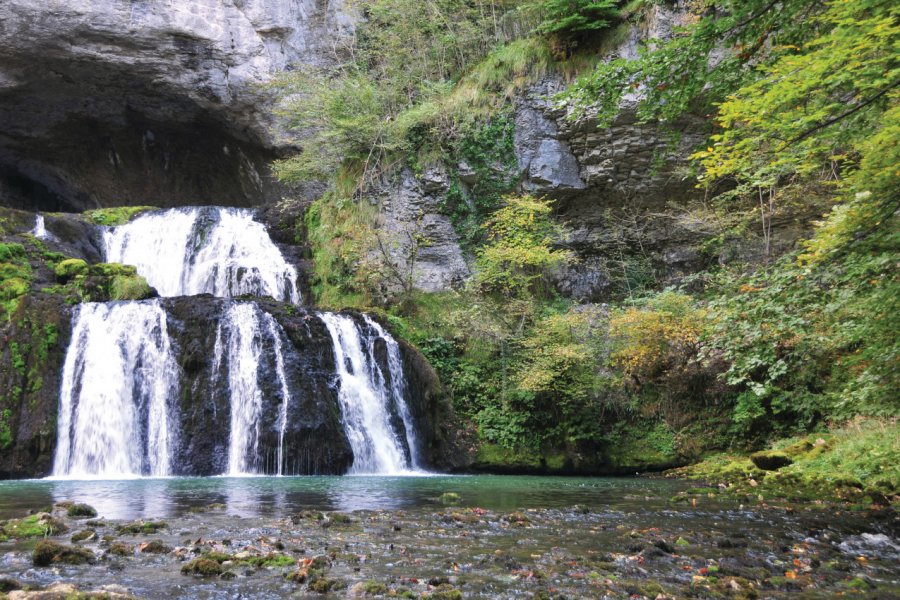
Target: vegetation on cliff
{"x":803,"y":100}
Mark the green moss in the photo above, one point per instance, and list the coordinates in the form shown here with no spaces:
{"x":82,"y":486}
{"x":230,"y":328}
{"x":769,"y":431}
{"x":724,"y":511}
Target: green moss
{"x":139,"y":527}
{"x":202,"y":567}
{"x":323,"y":585}
{"x":859,"y":462}
{"x":375,"y":588}
{"x":496,"y":457}
{"x":641,"y":445}
{"x":120,"y":549}
{"x":39,"y":525}
{"x":85,"y":534}
{"x":11,"y":251}
{"x":155,"y":547}
{"x":131,"y":287}
{"x":48,"y":553}
{"x":79,"y":511}
{"x":271,"y":560}
{"x":115,"y":216}
{"x":70,"y":268}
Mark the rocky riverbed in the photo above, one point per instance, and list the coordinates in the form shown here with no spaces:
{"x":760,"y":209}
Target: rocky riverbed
{"x":645,"y":545}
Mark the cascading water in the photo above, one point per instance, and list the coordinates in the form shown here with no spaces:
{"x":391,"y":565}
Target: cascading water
{"x":121,"y":380}
{"x":241,"y":341}
{"x":397,"y":385}
{"x":204,"y":250}
{"x":367,"y":397}
{"x":40,"y":229}
{"x":118,"y":378}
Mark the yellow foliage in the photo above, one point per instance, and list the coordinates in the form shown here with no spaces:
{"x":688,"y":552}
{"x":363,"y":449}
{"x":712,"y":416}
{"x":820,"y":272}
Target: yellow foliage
{"x":647,"y":339}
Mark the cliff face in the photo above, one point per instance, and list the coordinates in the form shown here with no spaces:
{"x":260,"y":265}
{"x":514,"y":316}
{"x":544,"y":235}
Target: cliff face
{"x":621,"y":189}
{"x":141,"y":102}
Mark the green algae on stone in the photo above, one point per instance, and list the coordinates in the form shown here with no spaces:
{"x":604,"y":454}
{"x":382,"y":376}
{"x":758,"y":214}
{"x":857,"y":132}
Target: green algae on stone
{"x":83,"y":535}
{"x":139,"y":527}
{"x":39,"y":525}
{"x":202,"y":567}
{"x":48,"y":553}
{"x":78,"y":511}
{"x":121,"y":549}
{"x":70,"y":268}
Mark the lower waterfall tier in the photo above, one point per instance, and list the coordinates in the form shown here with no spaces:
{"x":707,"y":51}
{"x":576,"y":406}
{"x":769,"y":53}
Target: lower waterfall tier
{"x":219,"y":386}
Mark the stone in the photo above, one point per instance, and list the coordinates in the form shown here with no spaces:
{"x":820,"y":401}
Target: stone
{"x":142,"y":88}
{"x":417,"y":240}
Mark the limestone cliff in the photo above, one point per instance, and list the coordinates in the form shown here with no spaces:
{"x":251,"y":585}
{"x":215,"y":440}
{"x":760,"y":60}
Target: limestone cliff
{"x":104,"y":103}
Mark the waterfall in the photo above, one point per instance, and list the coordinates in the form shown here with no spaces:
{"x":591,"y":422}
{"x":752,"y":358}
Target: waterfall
{"x":118,"y":377}
{"x":121,"y":376}
{"x":204,"y":250}
{"x":367,"y":396}
{"x":246,"y":337}
{"x":397,"y":384}
{"x":40,"y":229}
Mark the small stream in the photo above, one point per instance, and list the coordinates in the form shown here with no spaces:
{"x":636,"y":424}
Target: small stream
{"x":483,"y":536}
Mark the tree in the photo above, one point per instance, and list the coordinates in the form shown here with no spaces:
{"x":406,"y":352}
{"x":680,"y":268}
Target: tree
{"x":518,"y":256}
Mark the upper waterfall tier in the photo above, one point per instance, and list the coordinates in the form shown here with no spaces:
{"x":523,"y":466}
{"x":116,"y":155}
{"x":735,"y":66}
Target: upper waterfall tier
{"x":204,"y":250}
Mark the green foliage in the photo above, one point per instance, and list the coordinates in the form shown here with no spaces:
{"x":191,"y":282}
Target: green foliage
{"x":519,"y":252}
{"x":803,"y":342}
{"x":118,"y":215}
{"x":487,"y":151}
{"x":687,"y":72}
{"x":6,"y":435}
{"x":15,"y":277}
{"x":656,"y":336}
{"x":569,"y":18}
{"x":342,"y":119}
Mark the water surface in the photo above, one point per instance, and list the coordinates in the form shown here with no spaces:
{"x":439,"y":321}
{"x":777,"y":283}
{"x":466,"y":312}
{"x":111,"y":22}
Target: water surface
{"x":274,"y":496}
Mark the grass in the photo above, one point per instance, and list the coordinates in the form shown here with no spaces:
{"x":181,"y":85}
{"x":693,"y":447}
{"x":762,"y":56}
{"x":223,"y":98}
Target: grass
{"x":857,"y":462}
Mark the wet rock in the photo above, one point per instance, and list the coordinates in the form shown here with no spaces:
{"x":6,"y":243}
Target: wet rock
{"x":47,"y":553}
{"x":85,"y":535}
{"x":139,"y":527}
{"x":120,"y":549}
{"x":81,"y":511}
{"x":202,"y":567}
{"x":154,"y":547}
{"x":8,"y":585}
{"x":449,"y":498}
{"x":66,"y":591}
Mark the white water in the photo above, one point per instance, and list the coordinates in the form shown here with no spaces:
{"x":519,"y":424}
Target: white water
{"x":204,"y":250}
{"x":40,"y":229}
{"x":118,"y":376}
{"x":244,"y":338}
{"x":120,"y":372}
{"x":365,"y":399}
{"x":398,"y":385}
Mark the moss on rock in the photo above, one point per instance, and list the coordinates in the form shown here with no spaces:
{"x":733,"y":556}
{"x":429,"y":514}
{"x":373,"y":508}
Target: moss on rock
{"x":47,"y":553}
{"x":81,"y":511}
{"x":69,"y":268}
{"x":202,"y":567}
